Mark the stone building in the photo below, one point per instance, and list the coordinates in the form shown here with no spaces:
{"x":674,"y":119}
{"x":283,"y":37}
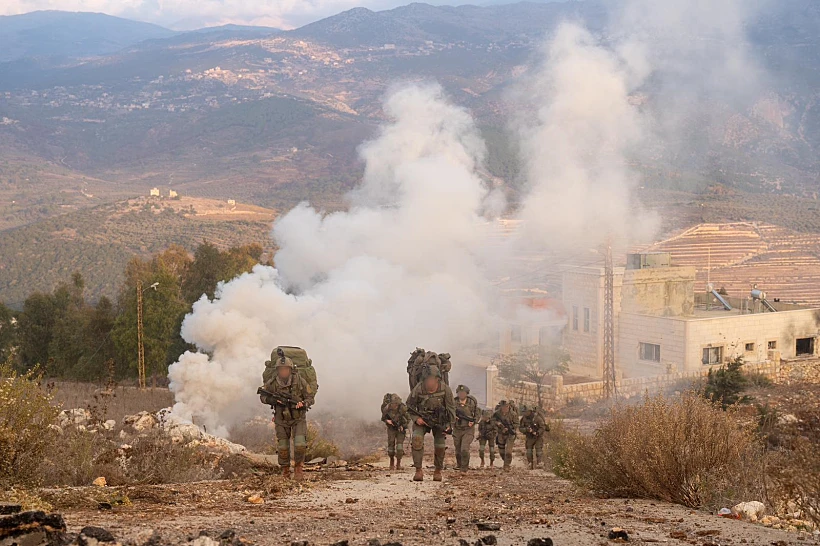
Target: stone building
{"x":662,"y":326}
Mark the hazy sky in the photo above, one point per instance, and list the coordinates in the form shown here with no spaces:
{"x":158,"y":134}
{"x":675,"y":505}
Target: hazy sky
{"x":187,"y":14}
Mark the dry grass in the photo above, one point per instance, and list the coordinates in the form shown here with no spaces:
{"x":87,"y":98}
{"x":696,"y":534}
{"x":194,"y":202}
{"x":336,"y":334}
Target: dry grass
{"x":114,"y":403}
{"x":684,"y":450}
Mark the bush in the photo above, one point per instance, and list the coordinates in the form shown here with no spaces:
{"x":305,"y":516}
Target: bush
{"x":26,"y":417}
{"x":794,"y":477}
{"x":687,"y":451}
{"x":726,"y":384}
{"x":318,"y":446}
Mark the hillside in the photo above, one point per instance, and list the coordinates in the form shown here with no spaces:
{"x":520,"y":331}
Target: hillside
{"x":66,"y":34}
{"x":99,"y":241}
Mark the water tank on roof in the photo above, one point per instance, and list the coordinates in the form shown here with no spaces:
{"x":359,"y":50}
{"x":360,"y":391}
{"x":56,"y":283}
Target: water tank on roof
{"x":648,"y":260}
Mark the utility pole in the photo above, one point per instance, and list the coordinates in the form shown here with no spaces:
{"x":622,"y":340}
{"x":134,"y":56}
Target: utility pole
{"x":610,"y":389}
{"x":140,"y":347}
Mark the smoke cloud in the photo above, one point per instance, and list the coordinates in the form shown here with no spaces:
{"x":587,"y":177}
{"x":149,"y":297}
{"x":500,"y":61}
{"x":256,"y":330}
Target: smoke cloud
{"x":409,"y":263}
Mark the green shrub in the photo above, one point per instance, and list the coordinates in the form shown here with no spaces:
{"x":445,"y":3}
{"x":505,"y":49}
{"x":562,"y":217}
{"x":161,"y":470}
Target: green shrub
{"x":726,"y":384}
{"x":686,"y":450}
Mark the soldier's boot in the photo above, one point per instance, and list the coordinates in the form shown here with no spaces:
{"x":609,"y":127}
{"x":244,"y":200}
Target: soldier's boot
{"x":492,"y":461}
{"x":437,"y":475}
{"x":458,"y":461}
{"x":392,"y":463}
{"x":419,"y":475}
{"x":481,"y":456}
{"x":299,"y":460}
{"x":284,"y":462}
{"x":507,"y":460}
{"x":465,"y":461}
{"x":398,"y":462}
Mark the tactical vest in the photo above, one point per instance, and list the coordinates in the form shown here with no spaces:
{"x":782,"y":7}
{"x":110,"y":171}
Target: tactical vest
{"x":470,"y":407}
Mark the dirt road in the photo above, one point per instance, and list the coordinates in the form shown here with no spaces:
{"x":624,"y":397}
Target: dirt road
{"x":333,"y":506}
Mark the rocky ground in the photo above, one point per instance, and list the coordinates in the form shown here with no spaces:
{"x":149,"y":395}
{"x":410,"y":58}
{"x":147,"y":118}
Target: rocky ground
{"x":372,"y":505}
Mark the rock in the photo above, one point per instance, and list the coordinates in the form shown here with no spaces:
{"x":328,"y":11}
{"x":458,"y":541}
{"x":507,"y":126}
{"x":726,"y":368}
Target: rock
{"x":616,"y":533}
{"x":79,"y":417}
{"x":488,"y":526}
{"x":227,"y":534}
{"x":109,"y":425}
{"x":351,"y":500}
{"x":141,"y":421}
{"x":787,"y":419}
{"x":462,"y":542}
{"x":300,"y":543}
{"x":344,"y":542}
{"x":770,"y":521}
{"x":489,"y":540}
{"x":539,"y":542}
{"x":97,"y":533}
{"x":32,"y":528}
{"x":100,"y":482}
{"x":751,"y":511}
{"x":9,"y":508}
{"x":317,"y":460}
{"x":204,"y":541}
{"x":255,"y":499}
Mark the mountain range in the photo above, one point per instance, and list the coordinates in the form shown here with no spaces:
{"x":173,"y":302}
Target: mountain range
{"x":95,"y":109}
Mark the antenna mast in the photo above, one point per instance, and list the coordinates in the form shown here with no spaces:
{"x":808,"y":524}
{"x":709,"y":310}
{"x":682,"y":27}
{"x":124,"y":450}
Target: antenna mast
{"x":140,"y":347}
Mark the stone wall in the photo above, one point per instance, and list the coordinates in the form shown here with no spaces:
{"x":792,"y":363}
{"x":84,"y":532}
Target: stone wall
{"x":557,"y":395}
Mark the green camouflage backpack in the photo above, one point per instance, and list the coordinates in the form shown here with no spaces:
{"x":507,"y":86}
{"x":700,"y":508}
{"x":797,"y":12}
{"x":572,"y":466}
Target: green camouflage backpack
{"x":299,"y":357}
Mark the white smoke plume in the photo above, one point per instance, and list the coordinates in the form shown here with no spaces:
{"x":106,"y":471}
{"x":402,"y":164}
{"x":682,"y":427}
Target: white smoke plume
{"x":359,"y":289}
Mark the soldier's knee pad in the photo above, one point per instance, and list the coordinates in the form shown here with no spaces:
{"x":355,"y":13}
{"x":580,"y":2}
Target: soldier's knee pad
{"x":418,"y":442}
{"x":283,"y":444}
{"x":300,"y":441}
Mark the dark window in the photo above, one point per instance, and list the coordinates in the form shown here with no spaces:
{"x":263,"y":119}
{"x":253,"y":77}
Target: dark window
{"x":586,"y":319}
{"x":805,"y":346}
{"x":650,"y":352}
{"x":772,"y":345}
{"x":575,"y":317}
{"x":712,"y":355}
{"x":750,"y":347}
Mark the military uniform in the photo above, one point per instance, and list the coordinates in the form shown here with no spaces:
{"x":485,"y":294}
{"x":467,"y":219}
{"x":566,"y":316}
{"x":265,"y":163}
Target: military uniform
{"x":486,"y":434}
{"x":414,"y":366}
{"x":395,"y":416}
{"x":291,"y":422}
{"x":438,"y":411}
{"x":534,"y":428}
{"x":505,"y":421}
{"x":464,"y":429}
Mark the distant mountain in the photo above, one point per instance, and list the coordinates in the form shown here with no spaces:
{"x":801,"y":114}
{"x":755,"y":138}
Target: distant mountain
{"x":417,"y":23}
{"x":70,"y":34}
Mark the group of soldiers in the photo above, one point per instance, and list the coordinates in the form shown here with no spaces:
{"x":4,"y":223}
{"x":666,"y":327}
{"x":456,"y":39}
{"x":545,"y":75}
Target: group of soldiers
{"x":432,"y":408}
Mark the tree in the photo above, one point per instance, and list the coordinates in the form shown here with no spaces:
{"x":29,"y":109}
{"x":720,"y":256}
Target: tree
{"x":35,"y":329}
{"x":533,"y":364}
{"x":726,"y":384}
{"x":8,"y":333}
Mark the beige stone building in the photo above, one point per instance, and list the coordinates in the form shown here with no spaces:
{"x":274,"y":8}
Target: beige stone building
{"x":662,"y":326}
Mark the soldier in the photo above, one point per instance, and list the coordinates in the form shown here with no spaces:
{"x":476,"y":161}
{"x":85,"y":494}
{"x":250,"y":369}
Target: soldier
{"x":414,"y":365}
{"x":486,"y":434}
{"x":534,"y":428}
{"x":394,"y":415}
{"x":467,"y":415}
{"x":290,"y":396}
{"x":505,"y":421}
{"x":432,"y":408}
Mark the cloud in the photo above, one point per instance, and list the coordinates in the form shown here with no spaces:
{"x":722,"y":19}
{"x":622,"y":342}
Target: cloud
{"x":189,"y":14}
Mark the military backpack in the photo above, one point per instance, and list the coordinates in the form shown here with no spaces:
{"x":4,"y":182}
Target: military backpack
{"x":299,"y":357}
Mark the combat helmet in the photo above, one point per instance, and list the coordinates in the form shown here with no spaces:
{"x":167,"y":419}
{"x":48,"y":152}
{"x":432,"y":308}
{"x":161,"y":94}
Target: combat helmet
{"x":432,"y":371}
{"x":284,"y":362}
{"x":395,"y":399}
{"x":464,"y":388}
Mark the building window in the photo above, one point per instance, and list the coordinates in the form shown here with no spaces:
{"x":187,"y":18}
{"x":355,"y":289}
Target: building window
{"x":772,"y":345}
{"x":750,"y":347}
{"x":712,"y":355}
{"x":575,"y":317}
{"x":586,"y":319}
{"x":650,"y":352}
{"x":515,"y":333}
{"x":804,"y":346}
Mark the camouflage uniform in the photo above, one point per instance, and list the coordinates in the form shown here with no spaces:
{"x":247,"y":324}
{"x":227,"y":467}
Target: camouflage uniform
{"x":437,"y":406}
{"x":505,"y":420}
{"x":414,"y":366}
{"x":291,"y":423}
{"x":486,"y":434}
{"x":395,"y":412}
{"x":445,"y":366}
{"x":464,"y":430}
{"x":534,"y":428}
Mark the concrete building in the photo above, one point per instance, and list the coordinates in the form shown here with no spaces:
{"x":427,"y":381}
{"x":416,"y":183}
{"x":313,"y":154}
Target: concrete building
{"x":662,"y":326}
{"x":154,"y":192}
{"x":172,"y":194}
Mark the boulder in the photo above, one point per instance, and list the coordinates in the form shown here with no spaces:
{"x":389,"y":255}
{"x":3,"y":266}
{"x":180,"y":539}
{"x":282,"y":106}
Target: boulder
{"x":141,"y":422}
{"x":78,"y":417}
{"x":32,"y":528}
{"x":750,"y":511}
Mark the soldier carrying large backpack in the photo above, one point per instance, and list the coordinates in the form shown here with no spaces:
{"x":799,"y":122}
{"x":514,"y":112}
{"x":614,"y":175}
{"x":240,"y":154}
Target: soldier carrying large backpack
{"x":420,"y":361}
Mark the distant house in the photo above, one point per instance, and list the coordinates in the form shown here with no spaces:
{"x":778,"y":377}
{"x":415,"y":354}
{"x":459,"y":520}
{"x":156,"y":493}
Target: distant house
{"x":232,"y":202}
{"x":154,"y":192}
{"x":172,"y":194}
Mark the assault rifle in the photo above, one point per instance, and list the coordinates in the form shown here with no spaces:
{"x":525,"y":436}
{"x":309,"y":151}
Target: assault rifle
{"x":281,"y":398}
{"x":460,"y":413}
{"x":437,"y":418}
{"x":395,"y":425}
{"x":507,"y":428}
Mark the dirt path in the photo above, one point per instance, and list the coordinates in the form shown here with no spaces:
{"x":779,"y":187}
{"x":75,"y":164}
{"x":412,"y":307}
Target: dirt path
{"x":379,"y":504}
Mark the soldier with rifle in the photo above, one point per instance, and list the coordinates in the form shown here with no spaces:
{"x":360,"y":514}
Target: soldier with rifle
{"x":486,"y":435}
{"x":505,"y":421}
{"x":290,"y":396}
{"x":394,"y":415}
{"x":467,"y":415}
{"x":534,"y":428}
{"x":432,"y":408}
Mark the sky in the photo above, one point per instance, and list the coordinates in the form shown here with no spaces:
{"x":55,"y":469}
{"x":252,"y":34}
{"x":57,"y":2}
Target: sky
{"x":190,"y":14}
